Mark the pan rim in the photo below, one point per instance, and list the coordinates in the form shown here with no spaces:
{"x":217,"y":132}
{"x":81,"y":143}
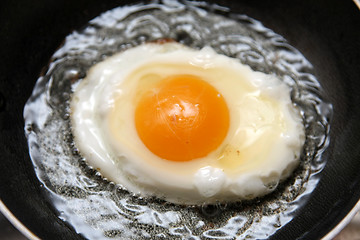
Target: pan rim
{"x":357,"y":3}
{"x":16,"y":222}
{"x":343,"y":223}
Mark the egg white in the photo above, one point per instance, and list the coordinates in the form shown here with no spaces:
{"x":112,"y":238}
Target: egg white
{"x":262,"y":147}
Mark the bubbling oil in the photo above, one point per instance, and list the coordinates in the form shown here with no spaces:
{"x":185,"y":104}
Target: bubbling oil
{"x":99,"y":209}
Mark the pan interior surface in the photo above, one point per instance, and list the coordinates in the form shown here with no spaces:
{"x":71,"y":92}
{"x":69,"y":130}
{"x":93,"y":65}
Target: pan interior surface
{"x":114,"y":213}
{"x":335,"y":70}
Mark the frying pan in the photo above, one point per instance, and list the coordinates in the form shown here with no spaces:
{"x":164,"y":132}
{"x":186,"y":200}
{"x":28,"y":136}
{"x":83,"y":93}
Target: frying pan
{"x":326,"y":32}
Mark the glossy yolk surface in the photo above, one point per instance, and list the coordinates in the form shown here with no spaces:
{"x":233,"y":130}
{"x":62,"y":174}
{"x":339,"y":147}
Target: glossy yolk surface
{"x":182,"y":118}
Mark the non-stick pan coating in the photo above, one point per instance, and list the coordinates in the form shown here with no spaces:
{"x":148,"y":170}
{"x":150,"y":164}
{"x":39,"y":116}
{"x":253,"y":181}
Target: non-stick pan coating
{"x":326,"y":32}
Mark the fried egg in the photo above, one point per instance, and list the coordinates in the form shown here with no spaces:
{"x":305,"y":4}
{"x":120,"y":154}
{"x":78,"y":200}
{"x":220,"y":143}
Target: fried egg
{"x":188,"y":126}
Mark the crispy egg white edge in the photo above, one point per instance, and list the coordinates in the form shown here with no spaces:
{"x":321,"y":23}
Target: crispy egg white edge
{"x":207,"y":181}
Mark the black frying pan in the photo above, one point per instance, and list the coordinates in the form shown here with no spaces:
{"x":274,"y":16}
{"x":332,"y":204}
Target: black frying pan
{"x":326,"y":32}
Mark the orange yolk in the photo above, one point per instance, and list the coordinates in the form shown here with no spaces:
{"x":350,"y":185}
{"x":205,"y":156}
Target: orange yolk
{"x":182,"y":118}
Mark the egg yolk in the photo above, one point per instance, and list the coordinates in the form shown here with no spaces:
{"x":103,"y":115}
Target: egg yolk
{"x":182,"y":118}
